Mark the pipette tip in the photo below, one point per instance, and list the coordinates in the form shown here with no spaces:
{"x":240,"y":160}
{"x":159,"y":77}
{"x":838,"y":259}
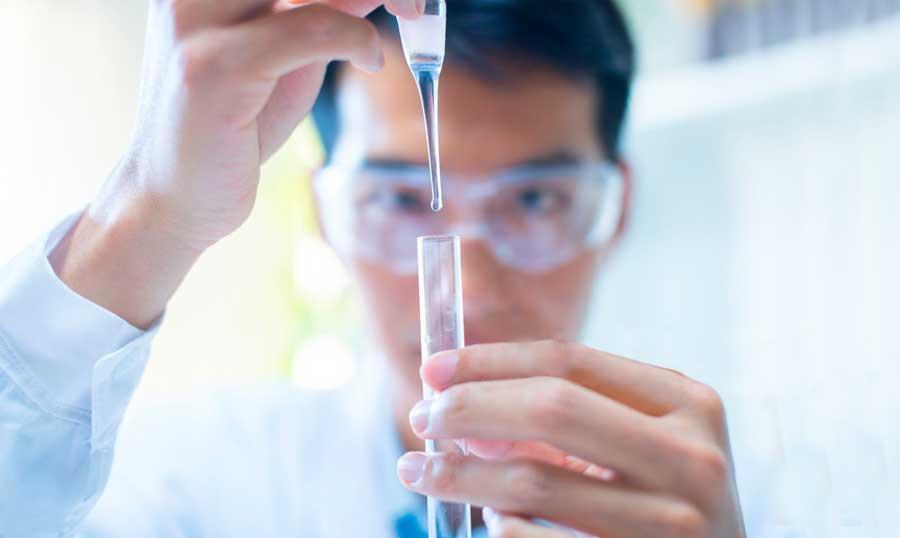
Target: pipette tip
{"x":436,"y":205}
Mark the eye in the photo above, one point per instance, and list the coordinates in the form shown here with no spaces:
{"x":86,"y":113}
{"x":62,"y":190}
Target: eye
{"x":542,"y":200}
{"x":405,"y":201}
{"x":397,"y":199}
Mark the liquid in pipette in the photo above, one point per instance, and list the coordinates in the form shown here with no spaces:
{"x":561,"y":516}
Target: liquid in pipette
{"x":424,"y":45}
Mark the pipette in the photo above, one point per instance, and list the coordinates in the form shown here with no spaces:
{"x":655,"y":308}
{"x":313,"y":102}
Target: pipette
{"x":424,"y":44}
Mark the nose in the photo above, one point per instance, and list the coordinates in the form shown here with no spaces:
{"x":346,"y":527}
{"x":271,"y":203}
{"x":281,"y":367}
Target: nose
{"x":482,"y":280}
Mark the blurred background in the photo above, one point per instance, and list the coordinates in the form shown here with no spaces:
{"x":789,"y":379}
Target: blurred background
{"x":763,"y":256}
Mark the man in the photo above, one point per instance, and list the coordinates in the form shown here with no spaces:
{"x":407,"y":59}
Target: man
{"x":533,"y":99}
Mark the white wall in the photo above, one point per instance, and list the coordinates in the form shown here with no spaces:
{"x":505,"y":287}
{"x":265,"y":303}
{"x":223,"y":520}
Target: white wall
{"x":764,"y":259}
{"x":69,"y":83}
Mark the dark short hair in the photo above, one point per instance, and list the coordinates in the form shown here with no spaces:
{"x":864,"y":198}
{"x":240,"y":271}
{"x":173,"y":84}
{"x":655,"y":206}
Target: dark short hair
{"x":584,"y":40}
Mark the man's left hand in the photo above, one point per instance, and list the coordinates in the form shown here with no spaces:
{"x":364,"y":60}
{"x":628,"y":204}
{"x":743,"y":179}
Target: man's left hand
{"x":563,"y":433}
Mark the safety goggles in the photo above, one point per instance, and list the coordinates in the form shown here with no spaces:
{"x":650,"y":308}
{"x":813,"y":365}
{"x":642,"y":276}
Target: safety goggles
{"x":533,"y":218}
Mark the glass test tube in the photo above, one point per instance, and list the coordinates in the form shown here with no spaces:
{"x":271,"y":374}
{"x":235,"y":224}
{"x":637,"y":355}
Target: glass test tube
{"x":441,"y":315}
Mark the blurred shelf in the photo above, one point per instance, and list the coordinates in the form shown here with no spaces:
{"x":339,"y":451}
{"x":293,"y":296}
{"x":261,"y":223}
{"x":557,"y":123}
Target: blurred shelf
{"x":707,"y":89}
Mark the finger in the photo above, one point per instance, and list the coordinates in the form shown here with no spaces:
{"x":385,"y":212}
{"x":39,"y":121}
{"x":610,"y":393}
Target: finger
{"x":204,"y":13}
{"x":508,"y":450}
{"x":505,"y":450}
{"x":569,"y":417}
{"x":511,"y":526}
{"x":404,"y":8}
{"x":280,"y":44}
{"x":557,"y":412}
{"x":289,"y":104}
{"x":409,"y":9}
{"x":218,"y":12}
{"x":192,"y":15}
{"x":548,"y":492}
{"x":649,"y":389}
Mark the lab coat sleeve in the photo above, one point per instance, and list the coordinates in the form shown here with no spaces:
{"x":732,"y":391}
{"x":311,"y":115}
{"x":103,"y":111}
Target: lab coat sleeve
{"x":68,"y":369}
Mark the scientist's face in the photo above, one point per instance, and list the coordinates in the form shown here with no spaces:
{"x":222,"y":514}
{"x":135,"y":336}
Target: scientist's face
{"x":539,"y":116}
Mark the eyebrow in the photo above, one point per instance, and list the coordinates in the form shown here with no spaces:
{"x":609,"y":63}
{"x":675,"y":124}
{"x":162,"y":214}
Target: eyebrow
{"x":551,"y":159}
{"x":392,"y":165}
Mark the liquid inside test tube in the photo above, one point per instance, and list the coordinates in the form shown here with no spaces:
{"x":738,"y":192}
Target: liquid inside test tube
{"x":441,"y":316}
{"x":424,"y":45}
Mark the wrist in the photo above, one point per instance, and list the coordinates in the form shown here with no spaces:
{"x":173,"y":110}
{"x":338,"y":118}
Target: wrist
{"x":122,"y":254}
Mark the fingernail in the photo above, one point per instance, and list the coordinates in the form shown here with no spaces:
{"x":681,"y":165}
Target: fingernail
{"x":600,"y":473}
{"x":490,"y":517}
{"x":418,"y":417}
{"x":607,"y":475}
{"x":410,"y":467}
{"x":420,"y":7}
{"x":441,"y":369}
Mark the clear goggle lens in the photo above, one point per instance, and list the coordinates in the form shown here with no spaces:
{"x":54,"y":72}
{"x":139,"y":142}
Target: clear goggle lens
{"x":534,"y":219}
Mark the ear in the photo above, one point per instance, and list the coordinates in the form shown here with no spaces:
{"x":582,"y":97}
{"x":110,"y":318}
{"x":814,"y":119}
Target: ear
{"x":627,"y":191}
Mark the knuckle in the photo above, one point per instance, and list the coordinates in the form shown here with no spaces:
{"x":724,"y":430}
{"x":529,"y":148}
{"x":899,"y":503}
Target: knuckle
{"x":557,"y":347}
{"x":454,"y":404}
{"x":465,"y":358}
{"x":708,"y":402}
{"x":566,"y":357}
{"x":322,"y":25}
{"x":327,"y":25}
{"x":712,"y":464}
{"x":198,"y":59}
{"x":552,"y":407}
{"x":529,"y":486}
{"x":709,"y":469}
{"x":705,"y":471}
{"x":441,"y":472}
{"x":680,"y":521}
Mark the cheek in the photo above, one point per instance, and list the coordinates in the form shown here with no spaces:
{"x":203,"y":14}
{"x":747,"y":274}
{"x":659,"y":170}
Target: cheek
{"x":392,"y":303}
{"x":562,"y":296}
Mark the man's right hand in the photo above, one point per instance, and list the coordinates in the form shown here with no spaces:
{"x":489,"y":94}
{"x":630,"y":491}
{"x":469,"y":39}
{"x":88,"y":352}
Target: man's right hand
{"x":224,"y":85}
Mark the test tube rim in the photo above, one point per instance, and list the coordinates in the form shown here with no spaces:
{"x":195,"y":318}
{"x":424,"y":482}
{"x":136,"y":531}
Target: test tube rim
{"x":438,"y":239}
